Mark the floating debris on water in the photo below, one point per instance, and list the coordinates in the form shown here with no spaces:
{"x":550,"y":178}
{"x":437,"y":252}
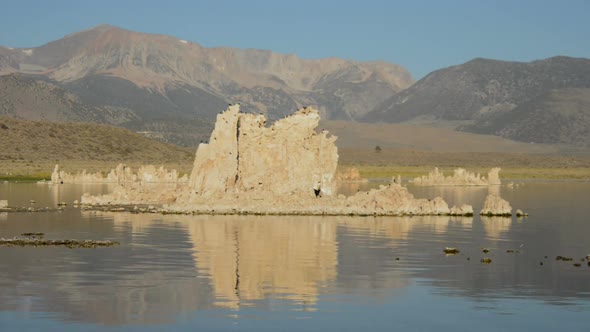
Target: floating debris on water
{"x":451,"y":251}
{"x":35,"y":242}
{"x":511,"y":251}
{"x":563,"y":258}
{"x":33,"y":234}
{"x":486,"y":260}
{"x":27,"y":209}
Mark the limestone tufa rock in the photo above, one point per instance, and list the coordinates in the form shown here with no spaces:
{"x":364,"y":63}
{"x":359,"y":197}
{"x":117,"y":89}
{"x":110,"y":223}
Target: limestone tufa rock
{"x":120,"y":174}
{"x":460,"y":177}
{"x":3,"y":203}
{"x":286,"y":168}
{"x":350,"y":174}
{"x":494,"y":205}
{"x":243,"y":155}
{"x":463,"y":210}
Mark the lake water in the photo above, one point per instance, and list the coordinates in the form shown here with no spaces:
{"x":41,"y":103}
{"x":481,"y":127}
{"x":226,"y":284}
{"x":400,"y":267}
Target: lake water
{"x":266,"y":273}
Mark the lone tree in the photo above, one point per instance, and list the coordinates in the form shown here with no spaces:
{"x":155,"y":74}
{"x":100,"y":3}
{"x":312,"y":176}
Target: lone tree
{"x":377,"y":149}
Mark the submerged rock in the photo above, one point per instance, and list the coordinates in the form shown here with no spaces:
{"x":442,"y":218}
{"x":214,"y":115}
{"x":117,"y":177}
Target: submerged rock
{"x":285,"y":168}
{"x":37,"y":242}
{"x":33,"y":234}
{"x":494,"y":205}
{"x":564,"y":258}
{"x":451,"y":251}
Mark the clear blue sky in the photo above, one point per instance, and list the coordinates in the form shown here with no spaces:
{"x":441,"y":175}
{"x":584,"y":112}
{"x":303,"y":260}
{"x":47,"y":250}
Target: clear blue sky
{"x":419,"y":35}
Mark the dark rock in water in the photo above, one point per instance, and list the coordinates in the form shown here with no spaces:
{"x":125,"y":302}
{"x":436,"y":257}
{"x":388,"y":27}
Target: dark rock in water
{"x":541,"y":263}
{"x":486,"y":260}
{"x":27,"y":209}
{"x":510,"y":251}
{"x":577,"y":264}
{"x":397,"y":258}
{"x":588,"y":263}
{"x":33,"y":234}
{"x":451,"y":251}
{"x":486,"y":250}
{"x":35,"y":242}
{"x":563,"y":258}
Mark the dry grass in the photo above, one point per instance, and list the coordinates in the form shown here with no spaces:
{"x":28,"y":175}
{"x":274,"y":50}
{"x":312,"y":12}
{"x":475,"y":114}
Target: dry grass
{"x":30,"y":149}
{"x":38,"y":141}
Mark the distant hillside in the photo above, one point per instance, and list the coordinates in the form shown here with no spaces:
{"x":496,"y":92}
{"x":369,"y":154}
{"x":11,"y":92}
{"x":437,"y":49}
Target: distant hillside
{"x":500,"y":98}
{"x":26,"y":97}
{"x":36,"y":141}
{"x":441,"y":140}
{"x":560,"y":116}
{"x":178,"y":82}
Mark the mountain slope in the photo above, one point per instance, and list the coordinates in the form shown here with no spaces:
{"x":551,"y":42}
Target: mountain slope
{"x":50,"y":141}
{"x":561,"y":116}
{"x":258,"y":79}
{"x":29,"y":98}
{"x":486,"y":94}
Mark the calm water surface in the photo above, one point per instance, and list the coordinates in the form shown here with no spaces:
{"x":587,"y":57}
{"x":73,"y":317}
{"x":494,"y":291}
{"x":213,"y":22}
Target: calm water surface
{"x":300,"y":273}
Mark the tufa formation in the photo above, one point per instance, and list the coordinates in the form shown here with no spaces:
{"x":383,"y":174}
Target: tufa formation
{"x":285,"y":168}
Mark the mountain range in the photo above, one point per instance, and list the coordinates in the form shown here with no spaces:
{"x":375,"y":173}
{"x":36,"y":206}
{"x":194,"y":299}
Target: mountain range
{"x":172,"y":89}
{"x":544,"y":101}
{"x":163,"y":83}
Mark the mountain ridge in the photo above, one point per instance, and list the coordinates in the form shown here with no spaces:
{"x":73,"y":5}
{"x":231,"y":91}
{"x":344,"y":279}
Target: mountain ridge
{"x":479,"y":91}
{"x":179,"y":82}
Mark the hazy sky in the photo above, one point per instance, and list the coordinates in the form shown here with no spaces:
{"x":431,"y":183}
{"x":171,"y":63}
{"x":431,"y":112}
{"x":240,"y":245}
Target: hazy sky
{"x":419,"y":35}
